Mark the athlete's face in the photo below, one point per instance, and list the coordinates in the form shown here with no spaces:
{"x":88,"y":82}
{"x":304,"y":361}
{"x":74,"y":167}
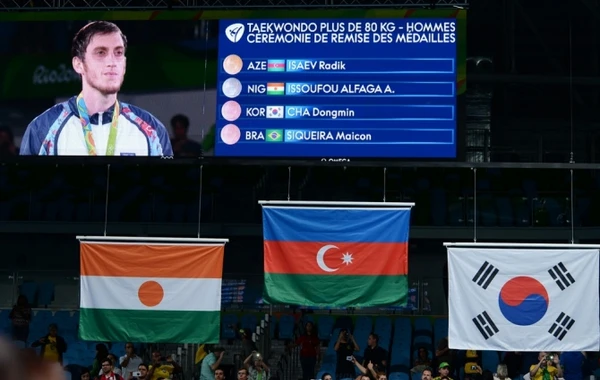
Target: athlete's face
{"x":103,"y":68}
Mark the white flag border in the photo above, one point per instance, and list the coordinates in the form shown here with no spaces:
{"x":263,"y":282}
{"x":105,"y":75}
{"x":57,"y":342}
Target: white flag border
{"x":146,"y":239}
{"x":521,"y":245}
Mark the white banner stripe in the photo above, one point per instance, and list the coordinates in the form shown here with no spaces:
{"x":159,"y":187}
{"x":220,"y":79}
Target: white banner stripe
{"x":122,"y":293}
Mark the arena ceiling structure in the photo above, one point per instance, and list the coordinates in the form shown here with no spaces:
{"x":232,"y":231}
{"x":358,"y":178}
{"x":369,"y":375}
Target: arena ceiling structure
{"x":45,"y":5}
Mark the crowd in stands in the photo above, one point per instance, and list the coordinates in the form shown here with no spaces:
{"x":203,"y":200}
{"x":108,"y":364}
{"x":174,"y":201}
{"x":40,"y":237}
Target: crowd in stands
{"x":349,"y":347}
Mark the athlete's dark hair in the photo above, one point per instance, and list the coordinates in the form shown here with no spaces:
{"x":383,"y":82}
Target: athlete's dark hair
{"x":84,"y":36}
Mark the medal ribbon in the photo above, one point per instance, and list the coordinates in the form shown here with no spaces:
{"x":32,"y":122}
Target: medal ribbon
{"x":84,"y":117}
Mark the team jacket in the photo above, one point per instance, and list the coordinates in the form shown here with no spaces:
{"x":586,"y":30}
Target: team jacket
{"x":58,"y":132}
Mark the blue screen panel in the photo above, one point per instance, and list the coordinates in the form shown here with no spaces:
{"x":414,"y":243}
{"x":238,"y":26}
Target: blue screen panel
{"x":337,"y":88}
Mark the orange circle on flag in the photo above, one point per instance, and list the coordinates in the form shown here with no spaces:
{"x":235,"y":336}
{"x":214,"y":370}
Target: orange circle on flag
{"x":151,"y":293}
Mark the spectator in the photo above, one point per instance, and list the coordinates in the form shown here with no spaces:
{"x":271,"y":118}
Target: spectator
{"x":422,"y":362}
{"x":101,"y":354}
{"x":472,"y":366}
{"x":162,"y":367}
{"x":211,"y":362}
{"x":370,"y":372}
{"x":247,"y":344}
{"x":443,"y":354}
{"x":52,"y":346}
{"x":310,"y":348}
{"x":182,"y":145}
{"x":427,"y":374}
{"x":257,"y":369}
{"x":130,"y":362}
{"x":114,"y":368}
{"x":547,"y":369}
{"x":7,"y":143}
{"x":108,"y":370}
{"x":375,"y":354}
{"x":514,"y":363}
{"x":219,"y":374}
{"x":345,"y":348}
{"x":242,"y":374}
{"x":327,"y":376}
{"x":143,"y":373}
{"x":20,"y":317}
{"x":85,"y":374}
{"x":501,"y":372}
{"x":444,"y":371}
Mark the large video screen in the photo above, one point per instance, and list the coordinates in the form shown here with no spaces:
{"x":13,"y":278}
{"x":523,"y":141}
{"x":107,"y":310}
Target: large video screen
{"x":122,"y":88}
{"x":381,"y":88}
{"x":268,"y":84}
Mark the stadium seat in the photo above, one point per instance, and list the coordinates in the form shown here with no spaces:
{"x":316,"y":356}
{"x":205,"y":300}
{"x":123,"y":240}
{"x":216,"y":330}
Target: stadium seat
{"x":286,"y":327}
{"x":229,"y":326}
{"x":383,"y":326}
{"x":46,"y":294}
{"x":272,"y":325}
{"x":364,"y":323}
{"x":343,"y":322}
{"x":249,"y":321}
{"x":423,"y":327}
{"x":402,"y":326}
{"x":29,"y":289}
{"x":490,"y":360}
{"x":325,"y":326}
{"x":440,"y":329}
{"x":422,"y":341}
{"x":398,"y":376}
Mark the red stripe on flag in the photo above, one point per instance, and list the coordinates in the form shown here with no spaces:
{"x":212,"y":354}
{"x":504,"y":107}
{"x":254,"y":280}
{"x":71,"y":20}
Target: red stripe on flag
{"x":369,"y":259}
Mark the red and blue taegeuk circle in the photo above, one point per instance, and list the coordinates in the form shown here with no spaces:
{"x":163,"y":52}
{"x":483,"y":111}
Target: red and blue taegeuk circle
{"x":523,"y":300}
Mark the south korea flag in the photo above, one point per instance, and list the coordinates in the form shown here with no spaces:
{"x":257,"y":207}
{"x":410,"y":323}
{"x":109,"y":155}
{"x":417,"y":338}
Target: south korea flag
{"x":524,"y":299}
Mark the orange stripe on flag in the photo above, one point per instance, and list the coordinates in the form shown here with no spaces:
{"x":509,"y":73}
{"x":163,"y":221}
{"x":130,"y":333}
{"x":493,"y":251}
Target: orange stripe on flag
{"x":145,"y":260}
{"x":338,"y":259}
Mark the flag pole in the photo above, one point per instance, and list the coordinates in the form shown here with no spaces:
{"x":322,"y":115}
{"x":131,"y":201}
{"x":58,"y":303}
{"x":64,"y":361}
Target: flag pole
{"x":152,"y":239}
{"x":333,"y":203}
{"x":520,"y":245}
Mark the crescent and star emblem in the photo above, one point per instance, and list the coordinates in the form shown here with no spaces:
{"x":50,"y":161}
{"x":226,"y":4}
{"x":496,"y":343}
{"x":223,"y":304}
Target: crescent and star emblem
{"x":346,"y":258}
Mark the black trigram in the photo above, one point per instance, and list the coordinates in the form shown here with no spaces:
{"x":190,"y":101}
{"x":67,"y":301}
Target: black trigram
{"x":561,"y":276}
{"x":485,"y":275}
{"x":561,"y":326}
{"x":485,"y":325}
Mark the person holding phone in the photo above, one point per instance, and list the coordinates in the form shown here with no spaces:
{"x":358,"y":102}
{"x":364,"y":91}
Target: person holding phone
{"x":345,"y":347}
{"x":95,"y":123}
{"x":140,"y":374}
{"x":548,"y":367}
{"x":257,"y":369}
{"x":52,"y":346}
{"x":130,"y":362}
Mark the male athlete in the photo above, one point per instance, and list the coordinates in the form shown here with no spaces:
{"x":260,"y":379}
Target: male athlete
{"x":94,"y":123}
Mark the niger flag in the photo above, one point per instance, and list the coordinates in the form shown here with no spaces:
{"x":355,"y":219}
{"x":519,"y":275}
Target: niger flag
{"x":142,"y":292}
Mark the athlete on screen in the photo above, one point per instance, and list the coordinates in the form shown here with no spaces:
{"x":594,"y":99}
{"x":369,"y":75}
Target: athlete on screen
{"x":94,"y":123}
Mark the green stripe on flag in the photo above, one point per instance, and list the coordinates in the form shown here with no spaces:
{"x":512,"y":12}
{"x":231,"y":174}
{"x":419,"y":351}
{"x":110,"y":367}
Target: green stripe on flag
{"x":346,"y":291}
{"x":107,"y":325}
